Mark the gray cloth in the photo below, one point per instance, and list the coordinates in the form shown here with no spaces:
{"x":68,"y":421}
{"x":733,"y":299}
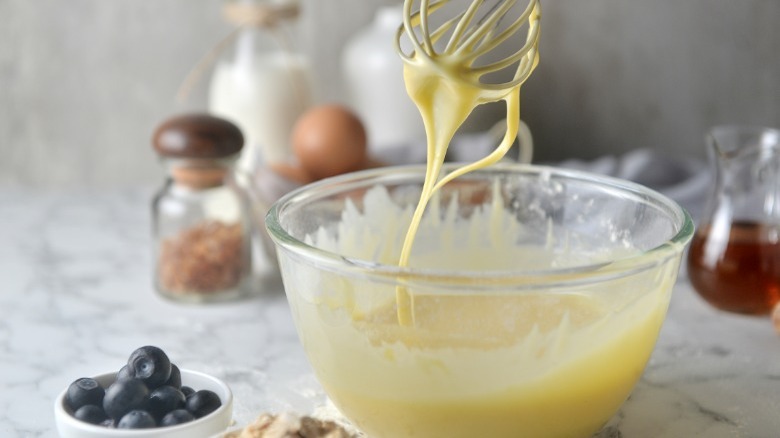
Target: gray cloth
{"x":686,"y":181}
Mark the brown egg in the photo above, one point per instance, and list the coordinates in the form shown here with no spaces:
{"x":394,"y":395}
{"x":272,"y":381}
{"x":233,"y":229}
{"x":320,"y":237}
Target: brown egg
{"x":329,"y":140}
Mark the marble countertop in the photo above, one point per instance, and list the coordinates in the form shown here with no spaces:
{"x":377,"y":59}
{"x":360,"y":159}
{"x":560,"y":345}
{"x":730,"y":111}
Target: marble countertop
{"x":76,"y":299}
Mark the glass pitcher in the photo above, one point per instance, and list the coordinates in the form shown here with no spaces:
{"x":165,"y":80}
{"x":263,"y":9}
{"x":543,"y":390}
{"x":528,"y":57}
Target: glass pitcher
{"x":734,"y":259}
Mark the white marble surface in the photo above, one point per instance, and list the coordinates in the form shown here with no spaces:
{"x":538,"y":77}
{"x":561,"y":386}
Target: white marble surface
{"x":76,"y":298}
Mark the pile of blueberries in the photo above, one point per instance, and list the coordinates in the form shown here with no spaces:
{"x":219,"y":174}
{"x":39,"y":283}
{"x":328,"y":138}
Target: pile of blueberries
{"x":147,"y":393}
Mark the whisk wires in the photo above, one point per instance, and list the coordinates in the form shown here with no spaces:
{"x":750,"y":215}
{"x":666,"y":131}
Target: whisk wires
{"x":470,"y":39}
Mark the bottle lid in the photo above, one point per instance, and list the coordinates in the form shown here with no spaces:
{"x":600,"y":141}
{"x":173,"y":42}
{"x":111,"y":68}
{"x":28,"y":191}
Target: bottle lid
{"x":260,"y":13}
{"x":197,"y":136}
{"x":199,"y":178}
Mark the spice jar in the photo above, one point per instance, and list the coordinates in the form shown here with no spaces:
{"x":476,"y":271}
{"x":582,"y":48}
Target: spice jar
{"x":202,"y":226}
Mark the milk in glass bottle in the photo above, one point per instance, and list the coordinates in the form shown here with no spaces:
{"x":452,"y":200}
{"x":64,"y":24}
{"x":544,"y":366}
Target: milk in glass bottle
{"x":262,"y":84}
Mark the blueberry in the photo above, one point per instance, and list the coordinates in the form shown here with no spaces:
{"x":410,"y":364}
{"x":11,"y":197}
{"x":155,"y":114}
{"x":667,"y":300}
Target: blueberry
{"x":163,"y":400}
{"x":203,"y":403}
{"x":124,"y":373}
{"x":136,"y":419}
{"x":187,"y":391}
{"x":109,"y":423}
{"x":175,"y":379}
{"x":124,"y":396}
{"x":150,"y":365}
{"x":179,"y":416}
{"x":91,"y":414}
{"x":84,"y":391}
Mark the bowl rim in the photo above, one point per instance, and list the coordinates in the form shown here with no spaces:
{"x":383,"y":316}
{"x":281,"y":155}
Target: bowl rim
{"x":570,"y":276}
{"x":63,"y":416}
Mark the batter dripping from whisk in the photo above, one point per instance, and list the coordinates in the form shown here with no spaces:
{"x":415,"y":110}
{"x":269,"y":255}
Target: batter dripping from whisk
{"x":447,"y":86}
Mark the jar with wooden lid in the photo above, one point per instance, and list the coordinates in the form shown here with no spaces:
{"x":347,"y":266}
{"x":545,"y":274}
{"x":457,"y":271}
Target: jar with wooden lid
{"x":201,"y":216}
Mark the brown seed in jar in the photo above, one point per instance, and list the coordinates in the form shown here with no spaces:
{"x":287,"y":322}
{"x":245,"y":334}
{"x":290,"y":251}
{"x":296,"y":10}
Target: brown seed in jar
{"x":206,"y":258}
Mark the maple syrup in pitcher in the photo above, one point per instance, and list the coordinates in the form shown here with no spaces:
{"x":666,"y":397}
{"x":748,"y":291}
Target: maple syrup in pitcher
{"x":738,"y":272}
{"x":734,"y":259}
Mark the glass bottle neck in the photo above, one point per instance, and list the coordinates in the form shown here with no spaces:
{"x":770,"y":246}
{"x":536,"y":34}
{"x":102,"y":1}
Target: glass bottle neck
{"x":199,"y":174}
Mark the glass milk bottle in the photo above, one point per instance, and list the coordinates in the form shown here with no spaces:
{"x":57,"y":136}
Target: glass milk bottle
{"x":262,"y":85}
{"x":373,"y":77}
{"x":201,"y":219}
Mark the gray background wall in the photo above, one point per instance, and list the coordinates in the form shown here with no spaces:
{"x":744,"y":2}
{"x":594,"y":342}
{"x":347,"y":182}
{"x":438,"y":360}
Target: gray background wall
{"x":84,"y":82}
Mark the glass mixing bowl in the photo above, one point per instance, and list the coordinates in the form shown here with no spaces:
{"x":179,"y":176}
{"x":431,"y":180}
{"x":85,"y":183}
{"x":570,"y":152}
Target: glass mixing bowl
{"x":535,"y":297}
